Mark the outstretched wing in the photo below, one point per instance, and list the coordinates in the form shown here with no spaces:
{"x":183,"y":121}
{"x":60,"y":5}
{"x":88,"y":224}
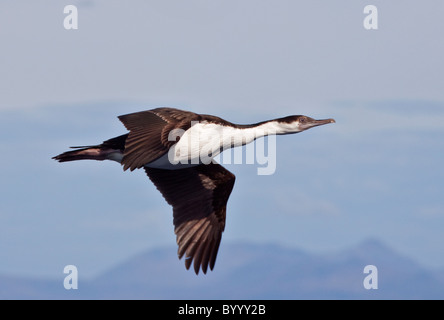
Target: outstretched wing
{"x":199,"y":197}
{"x":148,"y":134}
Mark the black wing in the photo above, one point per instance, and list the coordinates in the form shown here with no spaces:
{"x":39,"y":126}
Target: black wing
{"x":148,"y":136}
{"x":199,"y":197}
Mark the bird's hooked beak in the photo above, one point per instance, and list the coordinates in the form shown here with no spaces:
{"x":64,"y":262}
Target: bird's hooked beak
{"x":310,"y":123}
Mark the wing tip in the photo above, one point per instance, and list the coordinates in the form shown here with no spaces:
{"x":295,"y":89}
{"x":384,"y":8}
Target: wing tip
{"x":202,"y":258}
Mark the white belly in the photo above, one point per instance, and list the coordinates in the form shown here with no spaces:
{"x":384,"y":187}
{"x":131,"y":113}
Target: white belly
{"x":164,"y":163}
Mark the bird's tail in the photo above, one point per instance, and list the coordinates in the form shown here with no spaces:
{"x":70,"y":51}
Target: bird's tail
{"x":84,"y":153}
{"x":111,"y":149}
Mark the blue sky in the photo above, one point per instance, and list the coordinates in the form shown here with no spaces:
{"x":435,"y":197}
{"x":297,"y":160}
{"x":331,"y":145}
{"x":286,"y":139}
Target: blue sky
{"x":376,"y":173}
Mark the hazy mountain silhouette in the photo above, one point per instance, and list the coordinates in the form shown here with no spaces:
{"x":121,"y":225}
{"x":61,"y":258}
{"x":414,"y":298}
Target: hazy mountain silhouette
{"x":247,"y":271}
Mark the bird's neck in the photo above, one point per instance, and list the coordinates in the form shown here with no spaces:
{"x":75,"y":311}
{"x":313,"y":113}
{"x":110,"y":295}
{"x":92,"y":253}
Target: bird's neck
{"x":274,"y":127}
{"x":243,"y":134}
{"x":271,"y":127}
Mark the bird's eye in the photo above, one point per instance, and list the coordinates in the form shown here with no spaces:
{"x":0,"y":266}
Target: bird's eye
{"x":302,"y":119}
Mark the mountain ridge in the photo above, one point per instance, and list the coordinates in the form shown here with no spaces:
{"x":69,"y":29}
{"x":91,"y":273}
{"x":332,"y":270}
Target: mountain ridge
{"x":247,"y":271}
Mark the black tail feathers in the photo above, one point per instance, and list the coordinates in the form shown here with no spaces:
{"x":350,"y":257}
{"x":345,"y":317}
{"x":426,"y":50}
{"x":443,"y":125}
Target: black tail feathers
{"x":85,"y":153}
{"x":97,"y":152}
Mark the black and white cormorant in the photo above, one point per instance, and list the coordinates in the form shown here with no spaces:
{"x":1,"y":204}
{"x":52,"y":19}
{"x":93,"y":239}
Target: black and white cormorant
{"x":168,"y":143}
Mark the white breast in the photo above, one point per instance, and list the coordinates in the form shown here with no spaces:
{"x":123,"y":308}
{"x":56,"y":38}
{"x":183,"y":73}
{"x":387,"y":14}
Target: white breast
{"x":200,"y":144}
{"x":203,"y":141}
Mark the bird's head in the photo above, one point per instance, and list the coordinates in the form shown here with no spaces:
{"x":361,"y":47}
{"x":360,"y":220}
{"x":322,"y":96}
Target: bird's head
{"x":294,"y":124}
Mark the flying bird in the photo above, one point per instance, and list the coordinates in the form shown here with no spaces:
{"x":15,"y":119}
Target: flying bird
{"x":176,"y":149}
